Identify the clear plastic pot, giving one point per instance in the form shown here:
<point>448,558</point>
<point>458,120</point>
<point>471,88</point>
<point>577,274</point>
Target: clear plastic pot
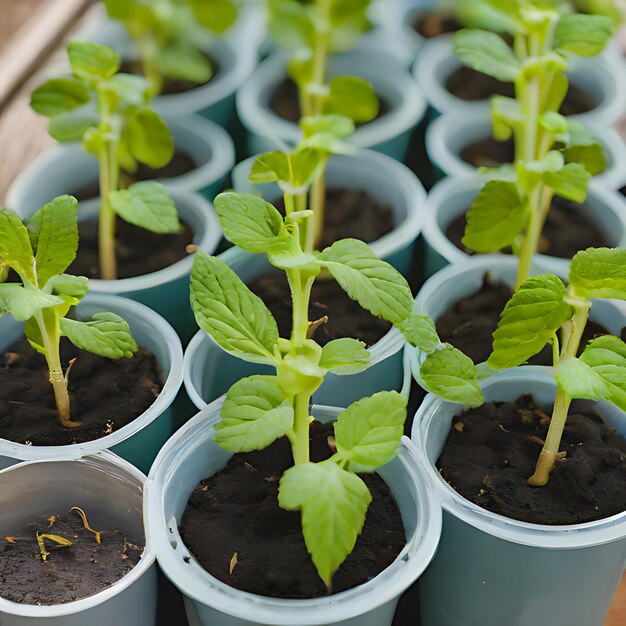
<point>110,491</point>
<point>191,455</point>
<point>502,571</point>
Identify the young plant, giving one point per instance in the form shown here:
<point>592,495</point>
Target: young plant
<point>39,251</point>
<point>543,311</point>
<point>333,500</point>
<point>553,155</point>
<point>309,32</point>
<point>110,114</point>
<point>171,35</point>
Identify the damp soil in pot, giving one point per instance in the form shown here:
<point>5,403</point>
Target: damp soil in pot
<point>56,559</point>
<point>430,24</point>
<point>234,527</point>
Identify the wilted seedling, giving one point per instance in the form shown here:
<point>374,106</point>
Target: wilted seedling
<point>110,114</point>
<point>39,251</point>
<point>58,540</point>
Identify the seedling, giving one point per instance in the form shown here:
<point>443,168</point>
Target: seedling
<point>109,113</point>
<point>57,539</point>
<point>39,251</point>
<point>171,35</point>
<point>257,410</point>
<point>83,516</point>
<point>543,311</point>
<point>553,155</point>
<point>309,33</point>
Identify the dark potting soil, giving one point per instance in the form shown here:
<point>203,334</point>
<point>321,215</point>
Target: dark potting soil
<point>488,152</point>
<point>491,452</point>
<point>234,516</point>
<point>432,24</point>
<point>105,395</point>
<point>138,251</point>
<point>567,230</point>
<point>470,85</point>
<point>68,573</point>
<point>285,102</point>
<point>346,318</point>
<point>180,164</point>
<point>352,213</point>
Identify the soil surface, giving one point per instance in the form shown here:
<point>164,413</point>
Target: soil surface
<point>566,231</point>
<point>285,103</point>
<point>105,395</point>
<point>236,512</point>
<point>68,573</point>
<point>181,163</point>
<point>491,452</point>
<point>346,318</point>
<point>488,152</point>
<point>352,213</point>
<point>138,251</point>
<point>431,24</point>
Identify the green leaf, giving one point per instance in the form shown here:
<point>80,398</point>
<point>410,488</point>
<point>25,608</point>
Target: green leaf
<point>487,53</point>
<point>452,376</point>
<point>149,139</point>
<point>606,356</point>
<point>216,15</point>
<point>291,25</point>
<point>582,147</point>
<point>506,114</point>
<point>91,61</point>
<point>332,124</point>
<point>72,125</point>
<point>106,334</point>
<point>15,246</point>
<point>584,35</point>
<point>130,88</point>
<point>119,9</point>
<point>181,60</point>
<point>374,284</point>
<point>230,313</point>
<point>74,287</point>
<point>570,182</point>
<point>23,303</point>
<point>59,95</point>
<point>554,122</point>
<point>291,171</point>
<point>250,222</point>
<point>578,380</point>
<point>254,414</point>
<point>369,431</point>
<point>353,97</point>
<point>148,205</point>
<point>419,331</point>
<point>270,167</point>
<point>344,356</point>
<point>333,504</point>
<point>497,216</point>
<point>599,273</point>
<point>529,320</point>
<point>53,232</point>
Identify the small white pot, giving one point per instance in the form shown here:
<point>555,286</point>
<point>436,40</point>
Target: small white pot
<point>110,491</point>
<point>451,197</point>
<point>388,134</point>
<point>191,455</point>
<point>448,135</point>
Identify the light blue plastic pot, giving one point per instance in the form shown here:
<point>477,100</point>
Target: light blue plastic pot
<point>111,493</point>
<point>387,180</point>
<point>191,456</point>
<point>494,571</point>
<point>451,197</point>
<point>139,441</point>
<point>388,134</point>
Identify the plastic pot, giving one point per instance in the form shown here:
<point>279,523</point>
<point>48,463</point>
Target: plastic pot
<point>191,455</point>
<point>387,181</point>
<point>452,197</point>
<point>139,441</point>
<point>67,168</point>
<point>503,571</point>
<point>110,490</point>
<point>209,372</point>
<point>388,134</point>
<point>598,76</point>
<point>448,135</point>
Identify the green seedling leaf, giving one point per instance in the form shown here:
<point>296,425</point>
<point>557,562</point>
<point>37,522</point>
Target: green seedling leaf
<point>333,502</point>
<point>497,216</point>
<point>582,147</point>
<point>554,122</point>
<point>119,9</point>
<point>570,182</point>
<point>578,380</point>
<point>584,35</point>
<point>599,273</point>
<point>352,97</point>
<point>291,25</point>
<point>606,356</point>
<point>452,376</point>
<point>506,114</point>
<point>149,139</point>
<point>330,124</point>
<point>499,16</point>
<point>72,125</point>
<point>270,167</point>
<point>419,331</point>
<point>344,356</point>
<point>106,334</point>
<point>251,223</point>
<point>66,285</point>
<point>181,60</point>
<point>369,431</point>
<point>148,205</point>
<point>529,321</point>
<point>59,95</point>
<point>255,413</point>
<point>15,246</point>
<point>215,15</point>
<point>129,88</point>
<point>230,313</point>
<point>92,62</point>
<point>22,303</point>
<point>487,53</point>
<point>293,172</point>
<point>373,283</point>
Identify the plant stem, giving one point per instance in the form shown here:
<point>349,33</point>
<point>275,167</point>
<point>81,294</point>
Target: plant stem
<point>300,448</point>
<point>148,51</point>
<point>109,174</point>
